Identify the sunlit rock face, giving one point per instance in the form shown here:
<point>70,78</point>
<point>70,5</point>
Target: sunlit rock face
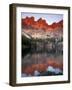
<point>41,29</point>
<point>29,22</point>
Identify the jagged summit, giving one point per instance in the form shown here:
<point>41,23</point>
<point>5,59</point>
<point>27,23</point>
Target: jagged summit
<point>30,23</point>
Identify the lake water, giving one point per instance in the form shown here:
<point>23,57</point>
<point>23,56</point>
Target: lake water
<point>41,63</point>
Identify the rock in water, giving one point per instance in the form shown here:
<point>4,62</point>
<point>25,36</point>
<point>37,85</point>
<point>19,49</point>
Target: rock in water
<point>50,68</point>
<point>36,73</point>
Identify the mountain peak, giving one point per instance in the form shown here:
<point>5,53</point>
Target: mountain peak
<point>29,22</point>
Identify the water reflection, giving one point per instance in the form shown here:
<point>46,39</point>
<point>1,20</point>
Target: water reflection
<point>41,62</point>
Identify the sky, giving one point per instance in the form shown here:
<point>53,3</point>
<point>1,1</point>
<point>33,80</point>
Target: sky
<point>50,18</point>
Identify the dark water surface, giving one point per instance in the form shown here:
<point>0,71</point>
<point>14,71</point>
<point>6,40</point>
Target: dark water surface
<point>37,62</point>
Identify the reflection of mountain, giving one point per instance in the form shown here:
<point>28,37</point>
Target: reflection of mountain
<point>42,64</point>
